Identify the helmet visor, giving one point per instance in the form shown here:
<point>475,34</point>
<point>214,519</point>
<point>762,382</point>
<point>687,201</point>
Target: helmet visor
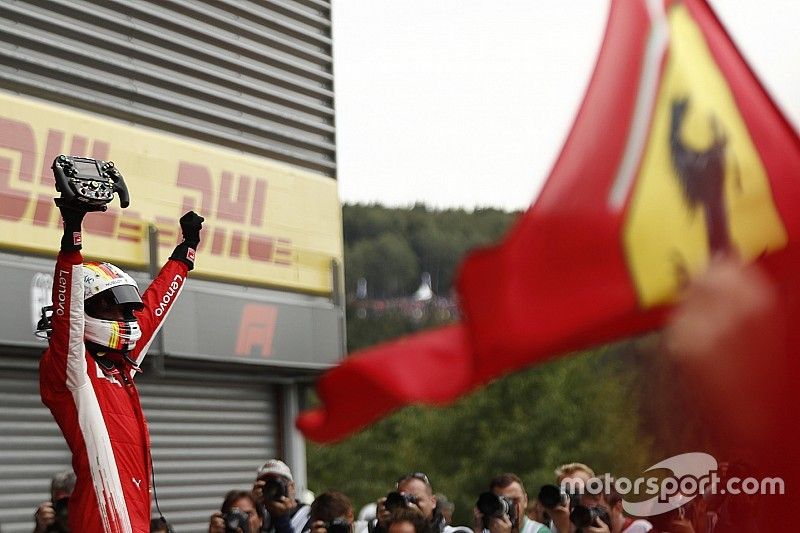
<point>125,294</point>
<point>116,303</point>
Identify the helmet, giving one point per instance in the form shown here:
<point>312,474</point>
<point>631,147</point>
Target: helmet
<point>110,298</point>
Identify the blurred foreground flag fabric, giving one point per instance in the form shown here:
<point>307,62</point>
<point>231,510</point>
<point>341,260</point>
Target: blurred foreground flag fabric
<point>677,153</point>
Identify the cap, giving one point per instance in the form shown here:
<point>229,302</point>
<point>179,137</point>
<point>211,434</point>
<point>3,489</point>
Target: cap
<point>275,467</point>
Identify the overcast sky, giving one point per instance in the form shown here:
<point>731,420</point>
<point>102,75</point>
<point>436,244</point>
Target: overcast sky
<point>465,103</point>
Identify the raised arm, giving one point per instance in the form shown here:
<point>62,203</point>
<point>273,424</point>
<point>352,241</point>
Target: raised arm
<point>66,340</point>
<point>160,296</point>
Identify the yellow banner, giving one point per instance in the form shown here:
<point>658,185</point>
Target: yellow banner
<point>266,223</point>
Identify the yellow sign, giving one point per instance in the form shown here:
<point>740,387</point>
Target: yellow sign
<point>702,187</point>
<point>266,222</point>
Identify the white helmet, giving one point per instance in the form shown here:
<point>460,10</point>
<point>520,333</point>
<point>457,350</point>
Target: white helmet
<point>110,298</point>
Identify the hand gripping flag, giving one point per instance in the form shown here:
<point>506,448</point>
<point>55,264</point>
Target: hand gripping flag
<point>677,153</point>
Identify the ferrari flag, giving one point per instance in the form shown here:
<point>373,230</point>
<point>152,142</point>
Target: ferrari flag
<point>677,153</point>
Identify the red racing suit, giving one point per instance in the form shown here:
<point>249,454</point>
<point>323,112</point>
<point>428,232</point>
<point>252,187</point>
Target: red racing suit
<point>99,412</point>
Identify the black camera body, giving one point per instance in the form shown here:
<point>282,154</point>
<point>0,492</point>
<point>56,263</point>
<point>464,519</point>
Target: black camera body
<point>338,525</point>
<point>236,520</point>
<point>88,184</point>
<point>493,506</point>
<point>60,523</point>
<point>275,488</point>
<point>582,516</point>
<point>399,500</point>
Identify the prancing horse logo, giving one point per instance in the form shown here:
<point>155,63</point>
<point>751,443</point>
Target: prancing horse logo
<point>701,175</point>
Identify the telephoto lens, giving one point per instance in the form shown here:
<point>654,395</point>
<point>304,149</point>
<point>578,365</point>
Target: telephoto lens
<point>275,488</point>
<point>398,500</point>
<point>552,496</point>
<point>491,506</point>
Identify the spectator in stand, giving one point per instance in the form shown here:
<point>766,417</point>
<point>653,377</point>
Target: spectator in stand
<point>408,521</point>
<point>331,512</point>
<point>237,507</point>
<point>621,523</point>
<point>510,486</point>
<point>51,516</point>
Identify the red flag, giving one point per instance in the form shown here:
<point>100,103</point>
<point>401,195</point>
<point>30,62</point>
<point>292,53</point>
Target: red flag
<point>433,367</point>
<point>677,153</point>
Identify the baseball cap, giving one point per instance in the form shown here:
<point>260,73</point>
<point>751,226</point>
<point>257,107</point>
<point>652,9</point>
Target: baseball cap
<point>275,467</point>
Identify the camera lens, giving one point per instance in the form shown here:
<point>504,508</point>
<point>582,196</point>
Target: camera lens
<point>274,489</point>
<point>489,504</point>
<point>398,500</point>
<point>550,496</point>
<point>581,516</point>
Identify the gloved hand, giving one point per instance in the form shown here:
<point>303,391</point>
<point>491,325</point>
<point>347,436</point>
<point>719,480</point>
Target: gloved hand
<point>191,223</point>
<point>73,219</point>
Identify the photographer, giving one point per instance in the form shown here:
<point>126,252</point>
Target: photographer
<point>559,504</point>
<point>99,333</point>
<point>413,491</point>
<point>238,514</point>
<point>275,494</point>
<point>583,514</point>
<point>331,512</point>
<point>502,509</point>
<point>51,516</point>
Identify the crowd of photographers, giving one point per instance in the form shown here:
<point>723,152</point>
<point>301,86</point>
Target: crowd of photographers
<point>272,506</point>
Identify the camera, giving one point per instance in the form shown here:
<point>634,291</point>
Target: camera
<point>60,525</point>
<point>338,525</point>
<point>552,496</point>
<point>398,500</point>
<point>493,506</point>
<point>582,516</point>
<point>88,184</point>
<point>236,520</point>
<point>275,488</point>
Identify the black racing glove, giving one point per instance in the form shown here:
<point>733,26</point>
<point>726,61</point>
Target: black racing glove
<point>72,239</point>
<point>191,223</point>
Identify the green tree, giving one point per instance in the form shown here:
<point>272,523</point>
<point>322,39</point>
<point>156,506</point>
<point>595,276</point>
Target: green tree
<point>387,262</point>
<point>438,240</point>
